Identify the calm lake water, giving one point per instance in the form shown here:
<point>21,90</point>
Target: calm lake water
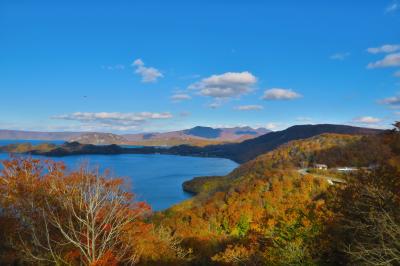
<point>156,179</point>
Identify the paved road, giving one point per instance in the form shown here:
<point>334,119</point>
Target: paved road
<point>331,180</point>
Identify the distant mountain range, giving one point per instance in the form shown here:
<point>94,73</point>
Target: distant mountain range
<point>98,138</point>
<point>206,135</point>
<point>249,149</point>
<point>238,152</point>
<point>36,135</point>
<point>198,136</point>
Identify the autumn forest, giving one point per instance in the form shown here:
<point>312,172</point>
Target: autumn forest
<point>199,133</point>
<point>266,212</point>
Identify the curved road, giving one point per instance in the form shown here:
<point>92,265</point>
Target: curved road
<point>330,180</point>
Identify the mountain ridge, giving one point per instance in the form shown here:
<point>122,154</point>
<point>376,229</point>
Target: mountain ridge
<point>221,134</point>
<point>238,152</point>
<point>198,136</point>
<point>249,149</point>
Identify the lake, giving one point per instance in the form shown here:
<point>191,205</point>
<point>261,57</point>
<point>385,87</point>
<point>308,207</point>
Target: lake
<point>156,179</point>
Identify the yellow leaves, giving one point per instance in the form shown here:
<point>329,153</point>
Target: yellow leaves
<point>256,227</point>
<point>305,222</point>
<point>58,214</point>
<point>395,162</point>
<point>270,224</point>
<point>233,254</point>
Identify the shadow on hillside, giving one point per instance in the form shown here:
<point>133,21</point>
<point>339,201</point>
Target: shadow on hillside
<point>367,151</point>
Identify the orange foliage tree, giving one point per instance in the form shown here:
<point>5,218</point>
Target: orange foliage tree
<point>81,217</point>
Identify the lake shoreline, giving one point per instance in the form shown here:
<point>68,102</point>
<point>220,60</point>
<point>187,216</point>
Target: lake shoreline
<point>162,187</point>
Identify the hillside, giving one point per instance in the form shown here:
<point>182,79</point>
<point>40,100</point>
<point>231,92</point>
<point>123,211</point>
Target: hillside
<point>196,136</point>
<point>199,134</point>
<point>250,149</point>
<point>265,210</point>
<point>334,150</point>
<point>99,139</point>
<point>239,152</point>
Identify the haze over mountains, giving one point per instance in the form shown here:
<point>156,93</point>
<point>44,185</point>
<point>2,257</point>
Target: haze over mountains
<point>249,149</point>
<point>238,152</point>
<point>195,136</point>
<point>36,135</point>
<point>199,133</point>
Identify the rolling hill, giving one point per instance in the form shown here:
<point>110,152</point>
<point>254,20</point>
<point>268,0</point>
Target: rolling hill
<point>249,149</point>
<point>196,136</point>
<point>268,203</point>
<point>99,139</point>
<point>208,135</point>
<point>238,152</point>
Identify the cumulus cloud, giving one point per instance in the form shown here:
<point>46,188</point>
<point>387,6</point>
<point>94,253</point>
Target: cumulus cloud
<point>339,56</point>
<point>178,97</point>
<point>115,120</point>
<point>249,107</point>
<point>387,48</point>
<point>227,85</point>
<point>367,120</point>
<point>280,94</point>
<point>390,60</point>
<point>392,7</point>
<point>148,74</point>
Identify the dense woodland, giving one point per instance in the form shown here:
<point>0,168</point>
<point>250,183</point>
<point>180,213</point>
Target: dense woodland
<point>263,213</point>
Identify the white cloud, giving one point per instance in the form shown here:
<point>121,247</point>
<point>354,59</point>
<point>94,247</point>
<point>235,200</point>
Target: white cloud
<point>273,126</point>
<point>397,73</point>
<point>138,62</point>
<point>249,107</point>
<point>395,100</point>
<point>148,74</point>
<point>387,48</point>
<point>339,56</point>
<point>390,60</point>
<point>114,67</point>
<point>392,7</point>
<point>178,97</point>
<point>227,85</point>
<point>117,121</point>
<point>280,94</point>
<point>367,120</point>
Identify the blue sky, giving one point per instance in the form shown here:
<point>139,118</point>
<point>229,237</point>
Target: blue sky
<point>132,66</point>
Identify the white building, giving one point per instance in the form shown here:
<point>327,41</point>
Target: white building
<point>320,166</point>
<point>346,169</point>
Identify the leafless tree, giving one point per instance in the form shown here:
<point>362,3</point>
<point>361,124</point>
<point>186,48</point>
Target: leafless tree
<point>83,212</point>
<point>372,222</point>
